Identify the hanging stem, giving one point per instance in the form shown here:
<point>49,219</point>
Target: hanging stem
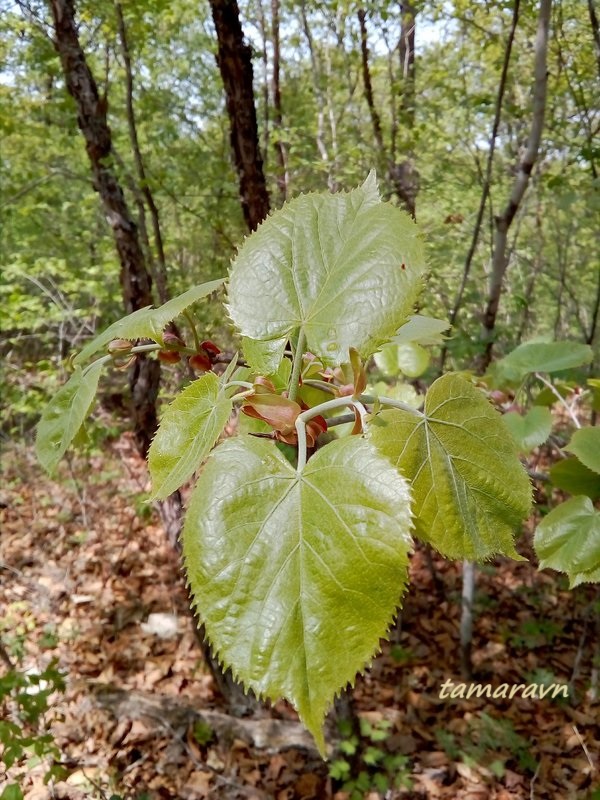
<point>559,396</point>
<point>297,366</point>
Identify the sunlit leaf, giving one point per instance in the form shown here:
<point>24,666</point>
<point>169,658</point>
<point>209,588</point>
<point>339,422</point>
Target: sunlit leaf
<point>189,428</point>
<point>344,269</point>
<point>469,488</point>
<point>422,330</point>
<point>410,359</point>
<point>585,444</point>
<point>297,576</point>
<point>568,540</point>
<point>531,429</point>
<point>65,414</point>
<point>147,323</point>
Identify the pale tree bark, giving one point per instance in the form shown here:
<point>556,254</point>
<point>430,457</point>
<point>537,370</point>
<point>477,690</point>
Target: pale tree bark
<point>504,221</point>
<point>235,64</point>
<point>487,180</point>
<point>135,280</point>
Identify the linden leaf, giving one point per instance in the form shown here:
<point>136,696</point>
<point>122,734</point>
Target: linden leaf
<point>529,430</point>
<point>187,432</point>
<point>344,269</point>
<point>65,414</point>
<point>568,540</point>
<point>470,490</point>
<point>149,322</point>
<point>585,444</point>
<point>297,576</point>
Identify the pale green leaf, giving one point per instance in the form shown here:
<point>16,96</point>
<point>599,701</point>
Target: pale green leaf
<point>469,488</point>
<point>264,357</point>
<point>423,330</point>
<point>187,432</point>
<point>529,430</point>
<point>149,322</point>
<point>65,414</point>
<point>405,392</point>
<point>330,266</point>
<point>297,576</point>
<point>573,477</point>
<point>568,540</point>
<point>585,444</point>
<point>542,357</point>
<point>410,359</point>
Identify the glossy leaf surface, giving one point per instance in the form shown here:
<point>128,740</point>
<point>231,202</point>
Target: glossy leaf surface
<point>469,488</point>
<point>344,269</point>
<point>187,432</point>
<point>297,576</point>
<point>149,322</point>
<point>65,414</point>
<point>568,540</point>
<point>572,476</point>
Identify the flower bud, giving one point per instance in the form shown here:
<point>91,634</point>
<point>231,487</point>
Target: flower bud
<point>169,356</point>
<point>200,362</point>
<point>119,346</point>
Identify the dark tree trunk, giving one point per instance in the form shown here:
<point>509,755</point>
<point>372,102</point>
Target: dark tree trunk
<point>135,281</point>
<point>235,63</point>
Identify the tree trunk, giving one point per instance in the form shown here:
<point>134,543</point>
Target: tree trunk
<point>280,151</point>
<point>235,64</point>
<point>404,174</point>
<point>135,280</point>
<point>368,86</point>
<point>504,221</point>
<point>487,180</point>
<point>160,275</point>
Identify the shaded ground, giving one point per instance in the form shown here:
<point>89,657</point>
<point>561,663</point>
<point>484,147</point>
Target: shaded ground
<point>84,564</point>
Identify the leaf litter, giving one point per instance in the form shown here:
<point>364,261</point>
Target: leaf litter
<point>87,577</point>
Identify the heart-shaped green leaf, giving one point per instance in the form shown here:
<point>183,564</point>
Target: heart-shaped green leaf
<point>542,357</point>
<point>187,432</point>
<point>65,414</point>
<point>573,477</point>
<point>297,576</point>
<point>568,540</point>
<point>149,322</point>
<point>585,444</point>
<point>344,269</point>
<point>529,430</point>
<point>469,488</point>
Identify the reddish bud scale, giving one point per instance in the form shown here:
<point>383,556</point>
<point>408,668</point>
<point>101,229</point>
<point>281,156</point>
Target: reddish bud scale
<point>169,356</point>
<point>200,362</point>
<point>210,347</point>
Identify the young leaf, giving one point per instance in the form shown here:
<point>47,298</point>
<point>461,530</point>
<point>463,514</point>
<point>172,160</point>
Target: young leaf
<point>585,444</point>
<point>344,268</point>
<point>573,477</point>
<point>65,414</point>
<point>530,430</point>
<point>410,358</point>
<point>423,330</point>
<point>188,430</point>
<point>147,323</point>
<point>568,540</point>
<point>264,357</point>
<point>542,357</point>
<point>469,488</point>
<point>297,576</point>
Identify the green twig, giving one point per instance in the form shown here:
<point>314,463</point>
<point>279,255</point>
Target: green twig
<point>297,366</point>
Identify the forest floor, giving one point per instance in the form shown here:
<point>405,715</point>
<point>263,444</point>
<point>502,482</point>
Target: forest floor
<point>83,566</point>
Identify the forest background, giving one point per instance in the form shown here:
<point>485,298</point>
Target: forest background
<point>439,97</point>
